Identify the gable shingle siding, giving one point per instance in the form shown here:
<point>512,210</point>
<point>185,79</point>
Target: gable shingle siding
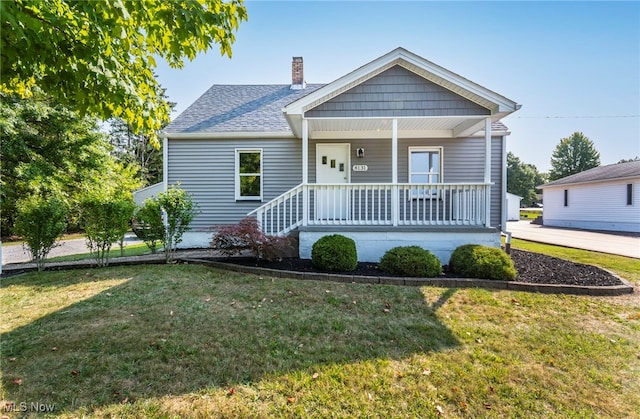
<point>397,92</point>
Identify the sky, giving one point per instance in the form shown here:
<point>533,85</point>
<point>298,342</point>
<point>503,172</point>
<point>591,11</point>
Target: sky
<point>573,66</point>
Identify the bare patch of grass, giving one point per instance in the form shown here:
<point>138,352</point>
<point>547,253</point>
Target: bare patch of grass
<point>187,341</point>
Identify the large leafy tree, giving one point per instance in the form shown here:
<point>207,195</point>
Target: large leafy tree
<point>134,149</point>
<point>99,56</point>
<point>573,155</point>
<point>522,179</point>
<point>47,148</point>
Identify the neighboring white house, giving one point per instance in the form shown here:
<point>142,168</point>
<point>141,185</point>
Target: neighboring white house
<point>602,198</point>
<point>513,207</point>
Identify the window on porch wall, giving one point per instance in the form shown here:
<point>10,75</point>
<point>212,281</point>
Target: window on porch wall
<point>425,166</point>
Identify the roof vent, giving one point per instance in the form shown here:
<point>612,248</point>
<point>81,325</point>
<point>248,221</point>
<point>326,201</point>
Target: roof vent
<point>297,74</point>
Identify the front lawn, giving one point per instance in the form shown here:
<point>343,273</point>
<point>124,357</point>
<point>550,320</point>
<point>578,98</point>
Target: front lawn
<point>188,341</point>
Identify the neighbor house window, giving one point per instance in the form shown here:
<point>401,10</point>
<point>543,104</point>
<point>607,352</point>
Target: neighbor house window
<point>425,166</point>
<point>248,174</point>
<point>566,197</point>
<point>629,193</point>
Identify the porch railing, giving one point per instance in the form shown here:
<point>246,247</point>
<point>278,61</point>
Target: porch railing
<point>376,204</point>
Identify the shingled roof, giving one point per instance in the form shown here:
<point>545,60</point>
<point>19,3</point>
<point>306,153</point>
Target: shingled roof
<point>279,108</point>
<point>601,173</point>
<point>239,108</point>
<point>245,108</point>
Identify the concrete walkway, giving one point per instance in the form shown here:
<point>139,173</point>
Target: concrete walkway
<point>624,244</point>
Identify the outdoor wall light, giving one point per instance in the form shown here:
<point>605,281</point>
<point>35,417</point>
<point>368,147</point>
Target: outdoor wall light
<point>360,153</point>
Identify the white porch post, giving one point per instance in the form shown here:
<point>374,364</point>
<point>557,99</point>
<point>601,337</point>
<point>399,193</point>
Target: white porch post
<point>305,172</point>
<point>487,171</point>
<point>394,172</point>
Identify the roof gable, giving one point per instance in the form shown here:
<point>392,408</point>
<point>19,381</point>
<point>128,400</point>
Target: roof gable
<point>600,174</point>
<point>432,72</point>
<point>397,92</point>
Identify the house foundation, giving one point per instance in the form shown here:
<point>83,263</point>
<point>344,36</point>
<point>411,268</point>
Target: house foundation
<point>373,242</point>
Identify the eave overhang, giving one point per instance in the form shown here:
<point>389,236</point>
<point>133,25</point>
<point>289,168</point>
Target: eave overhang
<point>227,135</point>
<point>589,182</point>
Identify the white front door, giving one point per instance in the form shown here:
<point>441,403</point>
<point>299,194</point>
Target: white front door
<point>332,168</point>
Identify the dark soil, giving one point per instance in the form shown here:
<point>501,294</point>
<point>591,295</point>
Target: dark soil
<point>533,268</point>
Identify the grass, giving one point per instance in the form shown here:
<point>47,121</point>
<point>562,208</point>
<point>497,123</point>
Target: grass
<point>188,341</point>
<point>530,213</point>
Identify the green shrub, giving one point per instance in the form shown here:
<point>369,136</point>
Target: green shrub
<point>475,261</point>
<point>410,261</point>
<point>147,224</point>
<point>180,210</point>
<point>334,253</point>
<point>40,221</point>
<point>106,220</point>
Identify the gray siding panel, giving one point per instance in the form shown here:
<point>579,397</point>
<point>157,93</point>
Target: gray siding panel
<point>397,92</point>
<point>205,168</point>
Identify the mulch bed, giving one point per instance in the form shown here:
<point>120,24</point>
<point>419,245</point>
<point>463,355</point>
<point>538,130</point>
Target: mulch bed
<point>532,268</point>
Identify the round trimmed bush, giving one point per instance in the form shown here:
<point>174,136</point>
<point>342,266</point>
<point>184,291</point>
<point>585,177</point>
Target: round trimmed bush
<point>410,261</point>
<point>476,261</point>
<point>334,253</point>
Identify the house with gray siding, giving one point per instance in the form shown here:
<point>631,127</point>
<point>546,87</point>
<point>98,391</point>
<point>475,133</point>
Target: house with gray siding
<point>602,198</point>
<point>397,152</point>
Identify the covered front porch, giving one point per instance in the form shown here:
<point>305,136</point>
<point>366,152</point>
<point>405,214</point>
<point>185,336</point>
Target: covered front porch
<point>376,204</point>
<point>338,175</point>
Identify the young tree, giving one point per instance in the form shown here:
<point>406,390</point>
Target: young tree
<point>573,155</point>
<point>522,179</point>
<point>106,220</point>
<point>148,224</point>
<point>179,209</point>
<point>40,221</point>
<point>99,56</point>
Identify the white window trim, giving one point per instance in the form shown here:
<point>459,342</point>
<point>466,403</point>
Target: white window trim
<point>421,194</point>
<point>237,173</point>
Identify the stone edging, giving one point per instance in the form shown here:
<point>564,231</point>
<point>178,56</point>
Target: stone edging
<point>612,290</point>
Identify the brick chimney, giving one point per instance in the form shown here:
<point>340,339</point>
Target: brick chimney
<point>297,74</point>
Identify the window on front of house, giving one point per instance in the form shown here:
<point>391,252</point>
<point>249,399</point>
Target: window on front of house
<point>629,193</point>
<point>425,166</point>
<point>248,174</point>
<point>566,197</point>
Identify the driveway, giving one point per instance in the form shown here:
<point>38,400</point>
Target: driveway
<point>624,244</point>
<point>18,254</point>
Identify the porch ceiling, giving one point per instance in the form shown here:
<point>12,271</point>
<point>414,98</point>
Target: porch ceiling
<point>408,127</point>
